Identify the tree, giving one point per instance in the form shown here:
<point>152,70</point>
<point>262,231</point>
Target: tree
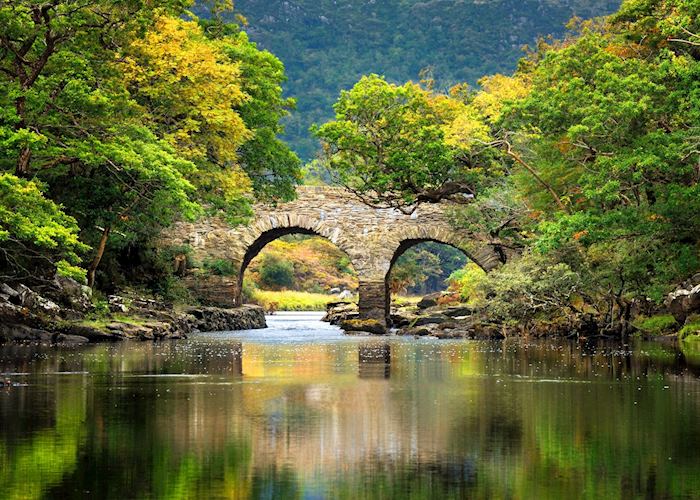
<point>131,116</point>
<point>44,45</point>
<point>36,237</point>
<point>398,146</point>
<point>611,119</point>
<point>272,167</point>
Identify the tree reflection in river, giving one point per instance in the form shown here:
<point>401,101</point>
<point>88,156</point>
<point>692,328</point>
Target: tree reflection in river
<point>223,417</point>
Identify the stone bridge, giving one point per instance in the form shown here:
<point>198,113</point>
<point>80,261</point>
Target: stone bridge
<point>372,238</point>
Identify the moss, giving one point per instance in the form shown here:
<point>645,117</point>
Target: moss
<point>364,325</point>
<point>101,323</point>
<point>691,331</point>
<point>656,325</point>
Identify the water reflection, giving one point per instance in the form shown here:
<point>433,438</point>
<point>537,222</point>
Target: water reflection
<point>374,360</point>
<point>293,415</point>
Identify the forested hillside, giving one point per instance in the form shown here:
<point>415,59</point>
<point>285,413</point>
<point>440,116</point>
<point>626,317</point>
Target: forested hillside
<point>328,45</point>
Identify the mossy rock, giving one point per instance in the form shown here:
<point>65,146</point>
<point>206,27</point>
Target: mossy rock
<point>691,330</point>
<point>372,326</point>
<point>660,324</point>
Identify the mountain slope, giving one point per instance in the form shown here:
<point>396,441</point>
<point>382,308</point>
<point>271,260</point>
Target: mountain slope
<point>327,45</point>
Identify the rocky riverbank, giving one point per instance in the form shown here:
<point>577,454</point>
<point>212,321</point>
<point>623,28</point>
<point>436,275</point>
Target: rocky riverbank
<point>677,318</point>
<point>62,313</point>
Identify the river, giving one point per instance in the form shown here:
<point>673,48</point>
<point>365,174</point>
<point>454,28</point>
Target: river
<point>301,411</point>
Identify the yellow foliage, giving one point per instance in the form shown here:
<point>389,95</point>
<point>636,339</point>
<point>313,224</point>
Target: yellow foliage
<point>462,125</point>
<point>496,90</point>
<point>189,88</point>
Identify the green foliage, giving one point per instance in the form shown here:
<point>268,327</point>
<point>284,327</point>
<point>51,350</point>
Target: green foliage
<point>656,325</point>
<point>425,268</point>
<point>691,329</point>
<point>327,45</point>
<point>269,163</point>
<point>318,265</point>
<point>531,286</point>
<point>220,267</point>
<point>469,281</point>
<point>276,273</point>
<point>171,289</point>
<point>34,232</point>
<point>133,117</point>
<point>397,145</point>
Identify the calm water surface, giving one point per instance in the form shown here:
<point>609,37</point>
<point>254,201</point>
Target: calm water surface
<point>300,411</point>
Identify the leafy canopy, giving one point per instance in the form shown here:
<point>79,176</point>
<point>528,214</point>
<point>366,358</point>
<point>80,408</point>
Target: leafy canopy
<point>399,145</point>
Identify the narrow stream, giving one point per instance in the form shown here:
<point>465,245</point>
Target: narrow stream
<point>301,411</point>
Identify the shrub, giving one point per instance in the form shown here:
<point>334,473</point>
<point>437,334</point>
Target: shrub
<point>656,325</point>
<point>276,272</point>
<point>467,282</point>
<point>220,267</point>
<point>530,286</point>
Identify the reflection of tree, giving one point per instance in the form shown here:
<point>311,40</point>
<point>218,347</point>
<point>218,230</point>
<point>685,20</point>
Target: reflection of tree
<point>454,420</point>
<point>44,460</point>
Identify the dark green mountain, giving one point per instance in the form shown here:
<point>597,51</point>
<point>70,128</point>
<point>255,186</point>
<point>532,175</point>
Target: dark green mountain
<point>327,45</point>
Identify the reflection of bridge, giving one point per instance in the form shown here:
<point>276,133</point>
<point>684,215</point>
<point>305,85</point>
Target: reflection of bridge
<point>372,238</point>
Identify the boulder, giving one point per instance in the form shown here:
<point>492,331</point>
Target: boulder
<point>70,339</point>
<point>372,326</point>
<point>429,300</point>
<point>433,319</point>
<point>336,312</point>
<point>215,319</point>
<point>72,294</point>
<point>7,290</point>
<point>420,331</point>
<point>684,302</point>
<point>458,311</point>
<point>10,332</point>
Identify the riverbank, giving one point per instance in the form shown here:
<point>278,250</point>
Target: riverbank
<point>677,319</point>
<point>62,313</point>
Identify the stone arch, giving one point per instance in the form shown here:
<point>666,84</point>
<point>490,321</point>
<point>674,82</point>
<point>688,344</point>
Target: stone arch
<point>269,228</point>
<point>412,236</point>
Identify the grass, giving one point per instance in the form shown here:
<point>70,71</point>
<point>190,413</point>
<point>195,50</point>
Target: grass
<point>402,300</point>
<point>656,325</point>
<point>288,300</point>
<point>102,322</point>
<point>691,330</point>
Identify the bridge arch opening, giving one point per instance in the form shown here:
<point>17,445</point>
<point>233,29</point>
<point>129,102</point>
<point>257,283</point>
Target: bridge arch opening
<point>432,261</point>
<point>304,267</point>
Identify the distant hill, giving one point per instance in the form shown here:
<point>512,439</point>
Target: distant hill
<point>327,45</point>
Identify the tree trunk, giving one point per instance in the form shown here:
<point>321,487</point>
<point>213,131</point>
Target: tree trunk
<point>25,155</point>
<point>98,256</point>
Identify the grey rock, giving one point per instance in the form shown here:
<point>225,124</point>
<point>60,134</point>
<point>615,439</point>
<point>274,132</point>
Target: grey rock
<point>70,339</point>
<point>8,290</point>
<point>459,311</point>
<point>684,302</point>
<point>10,332</point>
<point>73,294</point>
<point>435,319</point>
<point>372,326</point>
<point>429,301</point>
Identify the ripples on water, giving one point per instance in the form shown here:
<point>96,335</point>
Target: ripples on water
<point>301,411</point>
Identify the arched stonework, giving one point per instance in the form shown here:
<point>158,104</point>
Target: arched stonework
<point>370,237</point>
